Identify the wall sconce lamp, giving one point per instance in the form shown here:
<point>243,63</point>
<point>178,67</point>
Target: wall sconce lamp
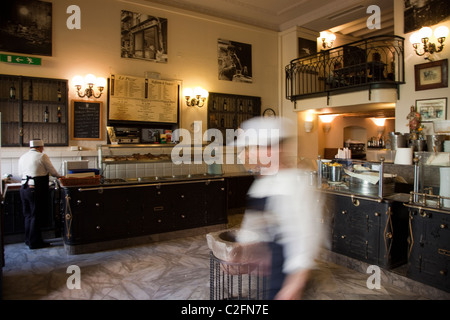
<point>379,122</point>
<point>423,36</point>
<point>327,39</point>
<point>89,80</point>
<point>326,121</point>
<point>195,97</point>
<point>308,123</point>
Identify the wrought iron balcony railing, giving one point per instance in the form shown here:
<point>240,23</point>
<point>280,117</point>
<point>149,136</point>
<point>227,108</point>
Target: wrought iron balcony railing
<point>376,62</point>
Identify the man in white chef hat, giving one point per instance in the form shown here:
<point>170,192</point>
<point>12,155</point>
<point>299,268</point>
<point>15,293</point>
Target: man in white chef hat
<point>281,209</point>
<point>35,167</point>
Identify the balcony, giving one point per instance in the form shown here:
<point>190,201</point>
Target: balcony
<point>373,63</point>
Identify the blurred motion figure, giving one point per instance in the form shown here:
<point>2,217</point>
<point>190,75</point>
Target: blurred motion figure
<point>282,209</point>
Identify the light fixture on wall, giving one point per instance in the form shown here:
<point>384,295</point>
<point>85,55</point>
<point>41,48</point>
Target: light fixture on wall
<point>326,121</point>
<point>89,81</point>
<point>308,123</point>
<point>327,39</point>
<point>379,122</point>
<point>423,36</point>
<point>196,97</point>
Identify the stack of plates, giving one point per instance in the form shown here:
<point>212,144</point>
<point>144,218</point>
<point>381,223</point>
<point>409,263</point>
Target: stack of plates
<point>447,146</point>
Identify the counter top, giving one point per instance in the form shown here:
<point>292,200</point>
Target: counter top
<point>162,179</point>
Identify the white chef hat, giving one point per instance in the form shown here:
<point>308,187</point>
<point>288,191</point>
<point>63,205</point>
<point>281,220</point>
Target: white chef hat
<point>263,131</point>
<point>36,143</point>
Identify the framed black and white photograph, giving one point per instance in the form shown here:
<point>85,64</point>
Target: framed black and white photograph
<point>235,61</point>
<point>143,37</point>
<point>431,75</point>
<point>421,13</point>
<point>432,109</point>
<point>26,27</point>
<point>306,47</point>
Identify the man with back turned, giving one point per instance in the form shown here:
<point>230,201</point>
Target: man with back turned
<point>35,167</point>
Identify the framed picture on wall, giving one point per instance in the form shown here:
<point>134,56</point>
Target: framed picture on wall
<point>26,27</point>
<point>306,47</point>
<point>143,37</point>
<point>424,13</point>
<point>432,109</point>
<point>431,75</point>
<point>235,61</point>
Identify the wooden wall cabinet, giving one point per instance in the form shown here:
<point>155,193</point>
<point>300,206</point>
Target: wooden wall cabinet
<point>228,111</point>
<point>32,108</point>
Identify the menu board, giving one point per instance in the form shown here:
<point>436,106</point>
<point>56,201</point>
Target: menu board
<point>87,119</point>
<point>142,100</point>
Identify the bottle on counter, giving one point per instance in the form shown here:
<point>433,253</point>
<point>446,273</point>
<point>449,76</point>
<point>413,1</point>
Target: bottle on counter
<point>46,114</point>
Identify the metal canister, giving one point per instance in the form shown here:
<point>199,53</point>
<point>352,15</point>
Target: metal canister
<point>336,173</point>
<point>396,140</point>
<point>435,142</point>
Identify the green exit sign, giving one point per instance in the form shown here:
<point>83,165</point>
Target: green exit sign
<point>20,59</point>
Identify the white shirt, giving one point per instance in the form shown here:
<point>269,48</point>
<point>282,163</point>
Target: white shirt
<point>36,164</point>
<point>292,216</point>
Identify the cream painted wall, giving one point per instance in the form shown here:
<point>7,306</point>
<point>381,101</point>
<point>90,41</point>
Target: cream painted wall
<point>192,52</point>
<point>408,95</point>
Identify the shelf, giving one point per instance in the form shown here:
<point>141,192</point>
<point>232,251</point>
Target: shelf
<point>19,114</point>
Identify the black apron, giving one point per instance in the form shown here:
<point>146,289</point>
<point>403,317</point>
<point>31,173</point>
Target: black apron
<point>35,205</point>
<point>277,275</point>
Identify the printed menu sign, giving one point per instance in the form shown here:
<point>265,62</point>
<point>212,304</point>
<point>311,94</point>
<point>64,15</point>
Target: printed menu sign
<point>143,100</point>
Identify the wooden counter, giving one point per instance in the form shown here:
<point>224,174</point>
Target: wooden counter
<point>116,214</point>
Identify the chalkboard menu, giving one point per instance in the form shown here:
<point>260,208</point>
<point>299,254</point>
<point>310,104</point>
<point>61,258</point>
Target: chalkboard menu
<point>86,120</point>
<point>134,99</point>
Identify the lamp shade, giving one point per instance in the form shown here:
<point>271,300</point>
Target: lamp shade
<point>100,82</point>
<point>415,38</point>
<point>90,78</point>
<point>323,35</point>
<point>425,32</point>
<point>441,32</point>
<point>188,92</point>
<point>77,81</point>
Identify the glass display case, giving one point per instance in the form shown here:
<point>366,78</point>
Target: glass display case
<point>133,153</point>
<point>355,178</point>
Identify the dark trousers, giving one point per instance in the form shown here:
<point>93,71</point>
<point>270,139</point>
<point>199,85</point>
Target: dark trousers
<point>277,275</point>
<point>35,207</point>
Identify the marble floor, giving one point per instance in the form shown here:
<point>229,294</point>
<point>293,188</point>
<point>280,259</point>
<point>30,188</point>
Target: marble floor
<point>177,269</point>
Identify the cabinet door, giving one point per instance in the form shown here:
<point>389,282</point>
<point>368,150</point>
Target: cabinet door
<point>10,109</point>
<point>356,228</point>
<point>95,215</point>
<point>237,191</point>
<point>189,205</point>
<point>216,203</point>
<point>429,260</point>
<point>33,108</point>
<point>156,209</point>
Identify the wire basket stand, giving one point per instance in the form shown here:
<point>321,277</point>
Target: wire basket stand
<point>237,281</point>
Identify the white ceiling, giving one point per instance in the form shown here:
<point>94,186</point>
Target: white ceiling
<point>346,17</point>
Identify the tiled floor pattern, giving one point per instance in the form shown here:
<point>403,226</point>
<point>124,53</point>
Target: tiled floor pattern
<point>178,269</point>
